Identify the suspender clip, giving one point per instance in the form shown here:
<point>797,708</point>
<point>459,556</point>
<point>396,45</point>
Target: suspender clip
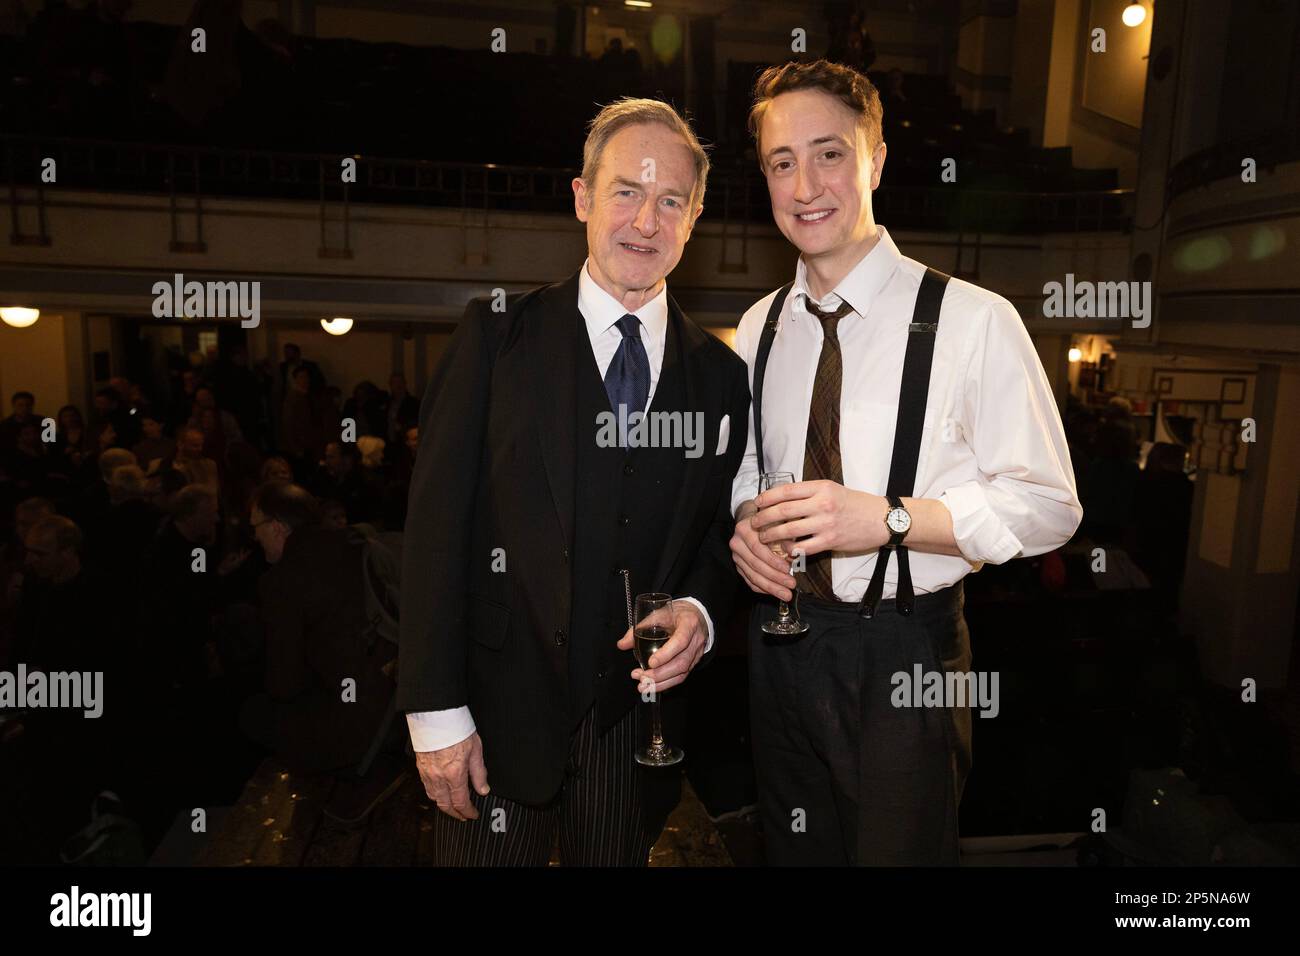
<point>905,601</point>
<point>871,597</point>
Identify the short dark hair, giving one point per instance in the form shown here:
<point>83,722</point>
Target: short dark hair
<point>846,84</point>
<point>27,395</point>
<point>286,502</point>
<point>330,505</point>
<point>185,503</point>
<point>64,530</point>
<point>346,449</point>
<point>108,392</point>
<point>35,504</point>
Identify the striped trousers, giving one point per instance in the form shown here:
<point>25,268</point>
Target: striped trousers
<point>598,815</point>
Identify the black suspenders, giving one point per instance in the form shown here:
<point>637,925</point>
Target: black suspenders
<point>912,395</point>
<point>760,366</point>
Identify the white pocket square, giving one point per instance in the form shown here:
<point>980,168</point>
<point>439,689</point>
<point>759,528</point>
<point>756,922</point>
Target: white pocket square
<point>724,434</point>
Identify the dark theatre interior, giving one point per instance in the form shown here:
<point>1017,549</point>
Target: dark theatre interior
<point>209,511</point>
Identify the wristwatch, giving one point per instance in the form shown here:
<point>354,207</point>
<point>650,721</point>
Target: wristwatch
<point>897,520</point>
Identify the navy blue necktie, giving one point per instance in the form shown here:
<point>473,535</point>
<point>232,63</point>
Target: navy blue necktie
<point>627,380</point>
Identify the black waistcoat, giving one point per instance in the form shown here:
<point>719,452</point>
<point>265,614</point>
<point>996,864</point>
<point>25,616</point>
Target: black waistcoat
<point>625,500</point>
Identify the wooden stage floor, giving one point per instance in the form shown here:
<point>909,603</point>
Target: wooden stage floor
<point>279,821</point>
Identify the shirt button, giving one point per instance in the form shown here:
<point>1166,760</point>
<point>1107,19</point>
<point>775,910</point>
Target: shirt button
<point>564,555</point>
<point>561,638</point>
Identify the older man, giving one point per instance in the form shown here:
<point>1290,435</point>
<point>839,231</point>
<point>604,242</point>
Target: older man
<point>515,647</point>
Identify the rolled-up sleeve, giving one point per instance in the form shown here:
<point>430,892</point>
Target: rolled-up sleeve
<point>1024,501</point>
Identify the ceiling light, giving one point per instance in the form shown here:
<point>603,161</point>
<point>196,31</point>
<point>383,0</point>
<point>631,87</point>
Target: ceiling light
<point>18,316</point>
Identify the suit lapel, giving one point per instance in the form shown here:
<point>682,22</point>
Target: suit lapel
<point>554,343</point>
<point>689,341</point>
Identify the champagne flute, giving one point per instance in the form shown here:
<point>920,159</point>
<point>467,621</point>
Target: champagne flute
<point>786,623</point>
<point>654,624</point>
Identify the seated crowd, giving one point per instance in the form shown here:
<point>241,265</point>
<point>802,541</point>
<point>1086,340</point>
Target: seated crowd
<point>205,557</point>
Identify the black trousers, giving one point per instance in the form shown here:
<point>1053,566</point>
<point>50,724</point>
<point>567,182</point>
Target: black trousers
<point>599,815</point>
<point>844,776</point>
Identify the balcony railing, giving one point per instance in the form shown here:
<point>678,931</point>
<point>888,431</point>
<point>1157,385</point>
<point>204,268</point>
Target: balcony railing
<point>1222,160</point>
<point>735,197</point>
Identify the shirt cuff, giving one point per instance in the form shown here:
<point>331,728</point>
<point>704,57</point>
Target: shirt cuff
<point>743,491</point>
<point>981,535</point>
<point>439,729</point>
<point>708,645</point>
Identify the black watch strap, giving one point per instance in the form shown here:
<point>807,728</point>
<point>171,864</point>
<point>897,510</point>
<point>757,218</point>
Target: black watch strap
<point>905,600</point>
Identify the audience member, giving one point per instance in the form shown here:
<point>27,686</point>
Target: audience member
<point>65,619</point>
<point>1162,516</point>
<point>91,505</point>
<point>403,411</point>
<point>13,558</point>
<point>326,690</point>
<point>132,520</point>
<point>23,405</point>
<point>154,447</point>
<point>189,466</point>
<point>342,478</point>
<point>75,448</point>
<point>333,516</point>
<point>276,468</point>
<point>308,422</point>
<point>27,463</point>
<point>182,405</point>
<point>293,361</point>
<point>110,410</point>
<point>368,407</point>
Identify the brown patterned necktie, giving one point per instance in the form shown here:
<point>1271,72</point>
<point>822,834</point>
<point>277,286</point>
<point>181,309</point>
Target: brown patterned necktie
<point>821,457</point>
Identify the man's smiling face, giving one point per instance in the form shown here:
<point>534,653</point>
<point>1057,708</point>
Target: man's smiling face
<point>820,171</point>
<point>637,229</point>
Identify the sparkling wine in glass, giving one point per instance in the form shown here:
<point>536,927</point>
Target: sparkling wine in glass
<point>786,623</point>
<point>654,624</point>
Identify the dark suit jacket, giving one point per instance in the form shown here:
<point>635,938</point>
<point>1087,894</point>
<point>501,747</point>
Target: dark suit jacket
<point>495,469</point>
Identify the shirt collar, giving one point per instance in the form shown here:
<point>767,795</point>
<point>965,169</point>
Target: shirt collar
<point>600,310</point>
<point>860,287</point>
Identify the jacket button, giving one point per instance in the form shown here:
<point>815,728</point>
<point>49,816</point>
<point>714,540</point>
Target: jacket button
<point>600,675</point>
<point>624,520</point>
<point>628,470</point>
<point>560,638</point>
<point>564,555</point>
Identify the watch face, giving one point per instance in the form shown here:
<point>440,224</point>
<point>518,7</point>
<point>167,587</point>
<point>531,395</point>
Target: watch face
<point>898,520</point>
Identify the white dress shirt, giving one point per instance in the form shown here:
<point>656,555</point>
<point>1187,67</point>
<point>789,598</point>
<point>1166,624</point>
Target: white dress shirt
<point>992,450</point>
<point>437,729</point>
